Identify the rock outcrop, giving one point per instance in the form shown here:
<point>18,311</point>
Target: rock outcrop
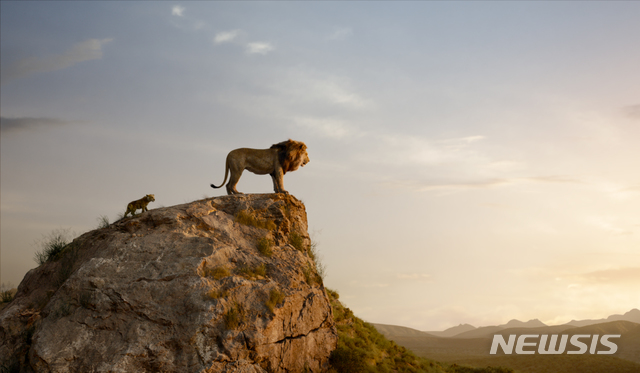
<point>218,285</point>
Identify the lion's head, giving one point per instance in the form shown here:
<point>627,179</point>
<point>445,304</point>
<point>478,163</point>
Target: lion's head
<point>292,154</point>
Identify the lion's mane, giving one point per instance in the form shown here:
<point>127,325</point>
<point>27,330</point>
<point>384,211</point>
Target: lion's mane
<point>291,154</point>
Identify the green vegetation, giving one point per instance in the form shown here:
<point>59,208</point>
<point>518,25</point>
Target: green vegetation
<point>275,297</point>
<point>311,276</point>
<point>103,222</point>
<point>52,246</point>
<point>250,218</point>
<point>6,293</point>
<point>217,273</point>
<point>235,316</point>
<point>216,294</point>
<point>564,363</point>
<point>362,349</point>
<point>253,272</point>
<point>314,254</point>
<point>297,241</point>
<point>264,246</point>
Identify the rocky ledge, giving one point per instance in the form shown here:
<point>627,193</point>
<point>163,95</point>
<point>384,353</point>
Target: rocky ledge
<point>226,284</point>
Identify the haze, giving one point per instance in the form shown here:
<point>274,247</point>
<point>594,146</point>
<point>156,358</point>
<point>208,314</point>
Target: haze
<point>471,162</point>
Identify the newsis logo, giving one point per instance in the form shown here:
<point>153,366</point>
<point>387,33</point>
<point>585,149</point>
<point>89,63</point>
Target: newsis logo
<point>584,343</point>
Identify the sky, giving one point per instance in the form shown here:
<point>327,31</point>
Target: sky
<point>471,162</point>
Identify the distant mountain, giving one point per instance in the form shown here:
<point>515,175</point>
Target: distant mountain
<point>535,323</point>
<point>633,316</point>
<point>399,331</point>
<point>453,330</point>
<point>486,331</point>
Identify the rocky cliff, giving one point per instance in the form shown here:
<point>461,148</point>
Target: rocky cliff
<point>218,285</point>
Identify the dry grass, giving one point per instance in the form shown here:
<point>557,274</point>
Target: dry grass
<point>235,316</point>
<point>250,218</point>
<point>297,241</point>
<point>275,297</point>
<point>253,272</point>
<point>264,246</point>
<point>217,273</point>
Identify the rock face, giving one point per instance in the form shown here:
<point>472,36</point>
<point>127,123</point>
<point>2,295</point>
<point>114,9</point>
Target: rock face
<point>186,288</point>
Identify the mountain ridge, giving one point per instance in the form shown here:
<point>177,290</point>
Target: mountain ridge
<point>470,331</point>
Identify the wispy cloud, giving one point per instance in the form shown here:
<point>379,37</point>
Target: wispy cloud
<point>225,36</point>
<point>9,125</point>
<point>415,276</point>
<point>609,224</point>
<point>326,127</point>
<point>177,10</point>
<point>340,33</point>
<point>259,48</point>
<point>616,275</point>
<point>85,51</point>
<point>632,111</point>
<point>479,183</point>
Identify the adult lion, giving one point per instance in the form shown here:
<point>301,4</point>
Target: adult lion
<point>276,161</point>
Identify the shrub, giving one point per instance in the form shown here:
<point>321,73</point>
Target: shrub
<point>264,246</point>
<point>235,316</point>
<point>6,294</point>
<point>321,269</point>
<point>248,217</point>
<point>344,359</point>
<point>217,272</point>
<point>257,271</point>
<point>103,222</point>
<point>51,246</point>
<point>215,294</point>
<point>275,297</point>
<point>310,275</point>
<point>297,241</point>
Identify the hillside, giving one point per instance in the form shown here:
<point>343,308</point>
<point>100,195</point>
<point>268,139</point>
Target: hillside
<point>362,348</point>
<point>475,351</point>
<point>222,284</point>
<point>450,332</point>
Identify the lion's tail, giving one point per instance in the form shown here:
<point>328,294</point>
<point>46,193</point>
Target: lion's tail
<point>226,174</point>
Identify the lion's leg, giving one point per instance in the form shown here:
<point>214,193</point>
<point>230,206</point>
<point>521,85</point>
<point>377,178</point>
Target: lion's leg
<point>275,182</point>
<point>233,181</point>
<point>278,185</point>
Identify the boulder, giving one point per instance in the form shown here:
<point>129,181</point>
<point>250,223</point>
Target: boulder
<point>226,284</point>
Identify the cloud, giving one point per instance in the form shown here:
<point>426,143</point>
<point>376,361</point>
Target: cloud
<point>608,224</point>
<point>415,276</point>
<point>225,36</point>
<point>177,11</point>
<point>553,179</point>
<point>340,33</point>
<point>259,48</point>
<point>483,183</point>
<point>616,275</point>
<point>8,125</point>
<point>632,111</point>
<point>326,127</point>
<point>466,185</point>
<point>84,51</point>
<point>312,87</point>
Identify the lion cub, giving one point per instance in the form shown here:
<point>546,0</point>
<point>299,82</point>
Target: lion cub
<point>139,204</point>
